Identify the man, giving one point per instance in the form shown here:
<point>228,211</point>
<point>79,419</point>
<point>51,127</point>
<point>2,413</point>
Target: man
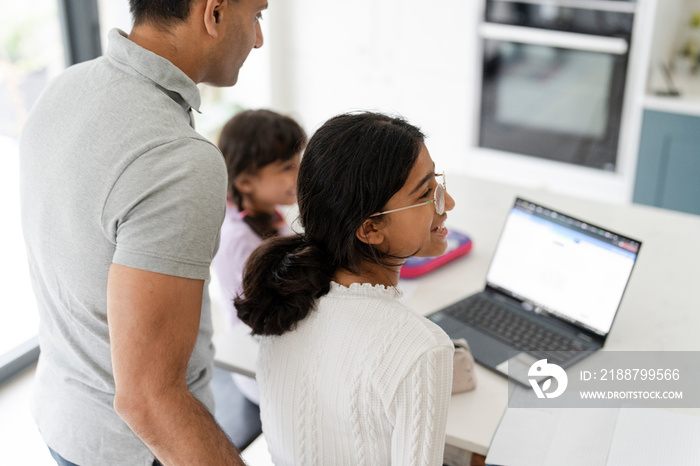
<point>122,202</point>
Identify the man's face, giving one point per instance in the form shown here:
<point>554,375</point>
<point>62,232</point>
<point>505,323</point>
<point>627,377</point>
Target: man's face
<point>241,33</point>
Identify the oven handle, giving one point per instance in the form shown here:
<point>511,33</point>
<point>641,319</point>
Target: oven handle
<point>559,39</point>
<point>598,5</point>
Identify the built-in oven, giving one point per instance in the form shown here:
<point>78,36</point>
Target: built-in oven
<point>554,75</point>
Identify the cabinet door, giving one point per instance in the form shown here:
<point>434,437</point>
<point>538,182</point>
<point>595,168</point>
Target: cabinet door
<point>668,169</point>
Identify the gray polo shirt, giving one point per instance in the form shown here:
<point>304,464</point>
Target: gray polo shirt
<point>112,171</point>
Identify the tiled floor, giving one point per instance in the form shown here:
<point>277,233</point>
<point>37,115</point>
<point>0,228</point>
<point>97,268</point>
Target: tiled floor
<point>20,442</point>
<point>256,454</point>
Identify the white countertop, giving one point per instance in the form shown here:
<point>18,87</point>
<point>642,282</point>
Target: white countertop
<point>658,312</point>
<point>687,103</point>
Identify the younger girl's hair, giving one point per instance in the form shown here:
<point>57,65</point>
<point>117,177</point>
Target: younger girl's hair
<point>255,138</point>
<point>249,141</point>
<point>352,166</point>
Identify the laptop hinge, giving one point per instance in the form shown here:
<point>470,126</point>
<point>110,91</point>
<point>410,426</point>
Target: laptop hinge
<point>502,296</point>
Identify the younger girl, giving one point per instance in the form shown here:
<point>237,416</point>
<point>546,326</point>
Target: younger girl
<point>348,374</point>
<point>262,151</point>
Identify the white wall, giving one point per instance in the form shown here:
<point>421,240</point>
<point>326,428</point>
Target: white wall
<point>669,29</point>
<point>253,89</point>
<point>421,59</point>
<point>409,57</point>
<point>671,25</point>
<point>113,15</point>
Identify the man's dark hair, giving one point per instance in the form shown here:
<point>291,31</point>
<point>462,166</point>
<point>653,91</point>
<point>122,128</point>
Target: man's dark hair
<point>165,12</point>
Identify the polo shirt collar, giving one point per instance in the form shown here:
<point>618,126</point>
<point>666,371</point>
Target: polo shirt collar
<point>136,60</point>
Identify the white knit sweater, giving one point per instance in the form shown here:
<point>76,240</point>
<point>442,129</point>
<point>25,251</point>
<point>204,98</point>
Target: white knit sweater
<point>363,380</point>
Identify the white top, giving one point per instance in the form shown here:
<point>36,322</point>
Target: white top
<point>362,380</point>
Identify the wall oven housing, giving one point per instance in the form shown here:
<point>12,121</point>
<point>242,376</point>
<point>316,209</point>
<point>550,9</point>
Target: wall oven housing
<point>553,79</point>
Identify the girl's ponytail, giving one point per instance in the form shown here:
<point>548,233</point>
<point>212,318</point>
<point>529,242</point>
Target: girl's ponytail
<point>351,168</point>
<point>283,278</point>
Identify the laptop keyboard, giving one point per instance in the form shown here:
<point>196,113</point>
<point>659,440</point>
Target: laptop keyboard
<point>513,329</point>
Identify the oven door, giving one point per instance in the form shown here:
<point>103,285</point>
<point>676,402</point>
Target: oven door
<point>552,94</point>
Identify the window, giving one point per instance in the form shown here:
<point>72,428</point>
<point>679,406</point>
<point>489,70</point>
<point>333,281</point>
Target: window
<point>37,44</point>
<point>31,54</point>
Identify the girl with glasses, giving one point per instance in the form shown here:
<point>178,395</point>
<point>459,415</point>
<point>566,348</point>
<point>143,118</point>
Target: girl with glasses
<point>348,374</point>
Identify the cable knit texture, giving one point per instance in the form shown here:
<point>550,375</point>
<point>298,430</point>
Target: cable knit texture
<point>363,380</point>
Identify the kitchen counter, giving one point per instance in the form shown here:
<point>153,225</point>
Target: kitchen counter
<point>682,105</point>
<point>687,103</point>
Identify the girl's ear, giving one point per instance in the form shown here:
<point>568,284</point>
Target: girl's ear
<point>369,233</point>
<point>244,183</point>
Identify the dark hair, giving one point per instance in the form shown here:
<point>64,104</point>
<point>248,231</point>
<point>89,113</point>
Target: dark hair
<point>352,166</point>
<point>249,141</point>
<point>165,12</point>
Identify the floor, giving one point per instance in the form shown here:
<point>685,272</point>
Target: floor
<point>20,442</point>
<point>237,416</point>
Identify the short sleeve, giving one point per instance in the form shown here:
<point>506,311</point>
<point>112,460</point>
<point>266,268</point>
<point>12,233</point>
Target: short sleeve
<point>165,210</point>
<point>421,404</point>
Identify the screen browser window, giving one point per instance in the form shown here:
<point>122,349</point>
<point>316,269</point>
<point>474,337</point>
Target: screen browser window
<point>562,266</point>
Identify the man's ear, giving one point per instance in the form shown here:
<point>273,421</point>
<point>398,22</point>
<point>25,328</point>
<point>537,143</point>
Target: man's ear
<point>244,183</point>
<point>369,233</point>
<point>213,15</point>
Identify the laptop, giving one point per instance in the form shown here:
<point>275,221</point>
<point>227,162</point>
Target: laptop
<point>553,289</point>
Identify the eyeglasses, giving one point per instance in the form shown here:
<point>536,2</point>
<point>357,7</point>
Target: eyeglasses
<point>438,199</point>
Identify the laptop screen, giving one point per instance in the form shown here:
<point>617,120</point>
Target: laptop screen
<point>563,266</point>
